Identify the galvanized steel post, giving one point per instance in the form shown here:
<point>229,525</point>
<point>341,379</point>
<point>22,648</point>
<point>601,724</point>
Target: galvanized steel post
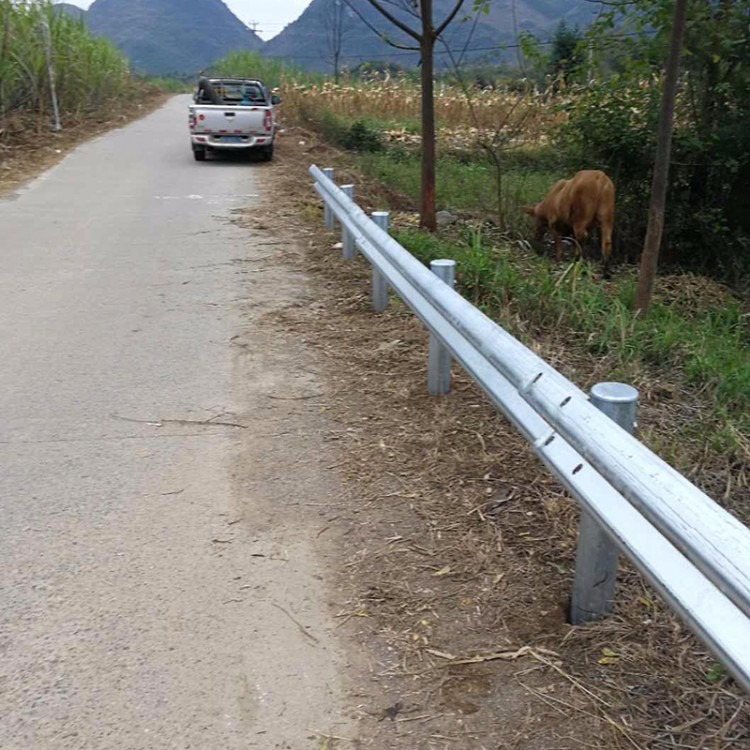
<point>379,283</point>
<point>347,238</point>
<point>327,212</point>
<point>596,557</point>
<point>439,357</point>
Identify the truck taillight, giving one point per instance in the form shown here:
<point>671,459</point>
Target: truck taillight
<point>268,121</point>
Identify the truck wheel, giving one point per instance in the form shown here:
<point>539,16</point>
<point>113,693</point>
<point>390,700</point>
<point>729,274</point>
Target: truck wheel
<point>268,153</point>
<point>199,154</point>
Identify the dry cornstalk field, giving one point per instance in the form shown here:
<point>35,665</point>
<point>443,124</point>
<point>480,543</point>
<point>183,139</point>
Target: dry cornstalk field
<point>457,110</point>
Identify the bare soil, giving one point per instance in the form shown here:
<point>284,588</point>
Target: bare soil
<point>457,548</point>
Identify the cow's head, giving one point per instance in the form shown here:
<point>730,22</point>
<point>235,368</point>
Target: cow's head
<point>540,222</point>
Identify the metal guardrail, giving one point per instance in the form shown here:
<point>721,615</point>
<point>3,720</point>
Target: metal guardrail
<point>694,553</point>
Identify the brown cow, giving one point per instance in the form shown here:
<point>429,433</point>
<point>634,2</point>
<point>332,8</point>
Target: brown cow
<point>585,201</point>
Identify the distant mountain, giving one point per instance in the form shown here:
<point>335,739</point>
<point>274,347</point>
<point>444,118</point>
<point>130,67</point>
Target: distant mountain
<point>70,9</point>
<point>307,41</point>
<point>170,36</point>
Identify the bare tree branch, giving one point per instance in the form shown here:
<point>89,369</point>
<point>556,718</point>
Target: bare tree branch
<point>449,18</point>
<point>406,7</point>
<point>457,62</point>
<point>395,21</point>
<point>377,31</point>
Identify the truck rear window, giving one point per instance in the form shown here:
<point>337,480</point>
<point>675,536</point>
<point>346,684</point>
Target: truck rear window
<point>238,93</point>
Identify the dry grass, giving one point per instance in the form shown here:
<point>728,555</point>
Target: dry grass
<point>458,545</point>
<point>397,100</point>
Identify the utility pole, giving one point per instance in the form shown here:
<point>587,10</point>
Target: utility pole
<point>47,36</point>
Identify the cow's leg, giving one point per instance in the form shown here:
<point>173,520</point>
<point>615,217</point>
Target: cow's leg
<point>580,233</point>
<point>558,244</point>
<point>606,237</point>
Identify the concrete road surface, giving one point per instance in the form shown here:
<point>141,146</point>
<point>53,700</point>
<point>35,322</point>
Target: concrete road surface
<point>158,579</point>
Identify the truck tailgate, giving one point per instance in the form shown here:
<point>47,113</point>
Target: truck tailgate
<point>232,120</point>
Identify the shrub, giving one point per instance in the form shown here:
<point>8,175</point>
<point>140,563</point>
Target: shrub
<point>612,125</point>
<point>360,136</point>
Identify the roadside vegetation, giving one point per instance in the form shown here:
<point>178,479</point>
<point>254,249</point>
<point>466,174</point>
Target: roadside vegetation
<point>93,85</point>
<point>251,64</point>
<point>89,73</point>
<point>696,336</point>
<point>502,142</point>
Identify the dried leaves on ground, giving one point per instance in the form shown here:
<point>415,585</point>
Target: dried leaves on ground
<point>458,547</point>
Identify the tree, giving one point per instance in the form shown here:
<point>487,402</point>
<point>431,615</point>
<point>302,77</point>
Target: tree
<point>650,257</point>
<point>613,125</point>
<point>425,32</point>
<point>566,56</point>
<point>338,23</point>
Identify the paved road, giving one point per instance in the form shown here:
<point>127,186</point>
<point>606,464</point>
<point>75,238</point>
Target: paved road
<point>137,547</point>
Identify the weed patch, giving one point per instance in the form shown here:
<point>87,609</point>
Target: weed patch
<point>706,349</point>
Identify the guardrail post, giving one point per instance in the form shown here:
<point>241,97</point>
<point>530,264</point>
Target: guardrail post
<point>596,557</point>
<point>439,358</point>
<point>328,217</point>
<point>379,283</point>
<point>347,238</point>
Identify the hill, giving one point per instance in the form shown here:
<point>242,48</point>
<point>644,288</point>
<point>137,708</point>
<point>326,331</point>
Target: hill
<point>70,9</point>
<point>170,36</point>
<point>306,41</point>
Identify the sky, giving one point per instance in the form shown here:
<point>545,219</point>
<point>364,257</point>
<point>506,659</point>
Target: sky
<point>266,18</point>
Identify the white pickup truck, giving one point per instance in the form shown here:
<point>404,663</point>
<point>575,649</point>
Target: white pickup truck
<point>232,114</point>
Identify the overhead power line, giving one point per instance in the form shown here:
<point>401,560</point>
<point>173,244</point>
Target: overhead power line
<point>413,53</point>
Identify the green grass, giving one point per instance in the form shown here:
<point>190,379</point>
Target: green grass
<point>707,350</point>
<point>89,71</point>
<point>171,85</point>
<point>703,351</point>
<point>464,185</point>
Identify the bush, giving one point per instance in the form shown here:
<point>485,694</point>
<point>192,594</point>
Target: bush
<point>361,137</point>
<point>251,64</point>
<point>612,125</point>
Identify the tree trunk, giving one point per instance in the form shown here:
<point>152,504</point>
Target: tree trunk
<point>427,219</point>
<point>650,256</point>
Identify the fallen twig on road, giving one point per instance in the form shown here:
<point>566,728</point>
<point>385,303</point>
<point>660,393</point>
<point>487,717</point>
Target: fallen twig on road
<point>304,630</point>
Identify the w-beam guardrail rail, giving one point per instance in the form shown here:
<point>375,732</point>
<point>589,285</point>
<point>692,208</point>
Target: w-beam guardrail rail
<point>694,553</point>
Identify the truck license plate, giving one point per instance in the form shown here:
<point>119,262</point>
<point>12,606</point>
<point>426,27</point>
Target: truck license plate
<point>232,139</point>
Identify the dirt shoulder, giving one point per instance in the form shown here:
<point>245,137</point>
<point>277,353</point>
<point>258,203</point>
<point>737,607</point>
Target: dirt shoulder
<point>28,145</point>
<point>456,547</point>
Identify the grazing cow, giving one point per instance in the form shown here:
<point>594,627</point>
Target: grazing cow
<point>585,201</point>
